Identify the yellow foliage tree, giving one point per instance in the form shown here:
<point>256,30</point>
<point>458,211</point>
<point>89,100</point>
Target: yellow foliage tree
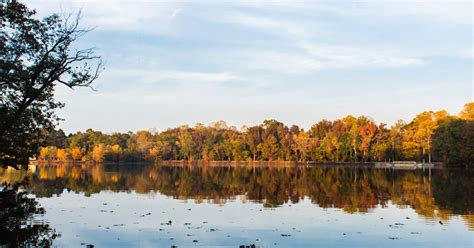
<point>48,153</point>
<point>143,141</point>
<point>468,112</point>
<point>76,153</point>
<point>153,152</point>
<point>302,145</point>
<point>115,149</point>
<point>43,153</point>
<point>98,153</point>
<point>425,127</point>
<point>420,131</point>
<point>61,155</point>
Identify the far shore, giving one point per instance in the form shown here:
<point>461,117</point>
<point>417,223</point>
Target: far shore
<point>397,164</point>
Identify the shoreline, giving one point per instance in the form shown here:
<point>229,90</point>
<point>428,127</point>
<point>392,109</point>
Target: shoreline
<point>184,163</point>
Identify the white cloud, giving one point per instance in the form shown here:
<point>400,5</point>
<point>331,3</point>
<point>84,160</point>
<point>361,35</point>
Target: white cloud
<point>453,11</point>
<point>265,24</point>
<point>186,76</point>
<point>120,15</point>
<point>314,56</point>
<point>311,58</point>
<point>181,62</point>
<point>176,12</point>
<point>446,11</point>
<point>150,76</point>
<point>333,56</point>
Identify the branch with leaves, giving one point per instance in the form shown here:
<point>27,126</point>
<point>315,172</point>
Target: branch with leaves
<point>36,56</point>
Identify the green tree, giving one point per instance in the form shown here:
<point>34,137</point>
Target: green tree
<point>36,56</point>
<point>185,141</point>
<point>453,142</point>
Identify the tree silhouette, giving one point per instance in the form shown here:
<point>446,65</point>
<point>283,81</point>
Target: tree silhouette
<point>16,213</point>
<point>36,56</point>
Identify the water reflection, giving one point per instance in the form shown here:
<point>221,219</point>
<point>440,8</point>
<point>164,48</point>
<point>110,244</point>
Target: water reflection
<point>435,195</point>
<point>17,215</point>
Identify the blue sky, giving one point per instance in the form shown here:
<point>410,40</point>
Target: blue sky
<point>182,62</point>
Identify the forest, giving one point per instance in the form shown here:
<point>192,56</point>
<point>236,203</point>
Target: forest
<point>429,137</point>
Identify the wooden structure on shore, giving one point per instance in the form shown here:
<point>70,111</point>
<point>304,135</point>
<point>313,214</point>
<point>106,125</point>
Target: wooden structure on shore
<point>407,165</point>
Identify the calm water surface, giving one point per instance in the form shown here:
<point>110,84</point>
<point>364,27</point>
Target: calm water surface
<point>161,206</point>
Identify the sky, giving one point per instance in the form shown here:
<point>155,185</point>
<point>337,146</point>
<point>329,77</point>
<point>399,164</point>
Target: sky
<point>169,63</point>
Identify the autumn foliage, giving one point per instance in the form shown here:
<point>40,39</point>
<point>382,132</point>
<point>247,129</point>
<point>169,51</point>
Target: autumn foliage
<point>430,136</point>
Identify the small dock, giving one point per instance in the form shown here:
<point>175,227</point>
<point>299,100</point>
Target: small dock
<point>406,165</point>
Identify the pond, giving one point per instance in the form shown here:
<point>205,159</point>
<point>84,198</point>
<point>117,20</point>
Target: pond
<point>228,206</point>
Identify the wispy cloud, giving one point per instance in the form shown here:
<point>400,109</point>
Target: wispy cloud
<point>333,56</point>
<point>265,24</point>
<point>302,55</point>
<point>176,12</point>
<point>175,79</point>
<point>119,15</point>
<point>207,60</point>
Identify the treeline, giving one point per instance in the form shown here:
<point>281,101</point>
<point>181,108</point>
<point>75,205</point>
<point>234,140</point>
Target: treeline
<point>430,136</point>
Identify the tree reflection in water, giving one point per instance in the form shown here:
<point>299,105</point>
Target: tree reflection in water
<point>435,194</point>
<point>17,213</point>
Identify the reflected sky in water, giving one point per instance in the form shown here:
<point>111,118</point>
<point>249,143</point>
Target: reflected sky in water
<point>160,206</point>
